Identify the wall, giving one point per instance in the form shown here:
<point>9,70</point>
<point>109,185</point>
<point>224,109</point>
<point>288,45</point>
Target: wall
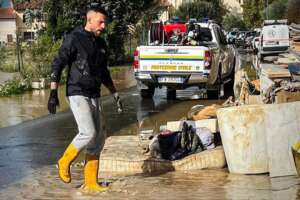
<point>7,26</point>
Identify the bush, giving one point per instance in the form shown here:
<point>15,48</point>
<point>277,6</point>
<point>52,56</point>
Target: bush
<point>15,86</point>
<point>200,9</point>
<point>277,9</point>
<point>293,8</point>
<point>41,54</point>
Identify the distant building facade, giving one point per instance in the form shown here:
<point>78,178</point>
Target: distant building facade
<point>28,31</point>
<point>171,5</point>
<point>234,6</point>
<point>8,27</point>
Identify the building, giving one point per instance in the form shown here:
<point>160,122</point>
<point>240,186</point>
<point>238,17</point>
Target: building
<point>8,26</point>
<point>171,5</point>
<point>234,6</point>
<point>28,31</point>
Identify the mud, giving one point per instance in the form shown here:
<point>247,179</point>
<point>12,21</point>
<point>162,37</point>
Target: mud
<point>29,151</point>
<point>204,184</point>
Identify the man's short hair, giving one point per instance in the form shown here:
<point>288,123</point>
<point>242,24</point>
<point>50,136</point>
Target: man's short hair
<point>96,8</point>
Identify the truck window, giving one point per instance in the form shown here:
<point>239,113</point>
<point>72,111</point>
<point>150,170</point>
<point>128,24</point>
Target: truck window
<point>222,37</point>
<point>215,29</point>
<point>205,35</point>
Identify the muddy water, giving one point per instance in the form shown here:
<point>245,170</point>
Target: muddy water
<point>41,181</point>
<point>202,184</point>
<point>33,104</point>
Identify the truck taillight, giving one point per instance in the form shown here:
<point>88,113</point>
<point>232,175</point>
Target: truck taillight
<point>207,60</point>
<point>136,63</point>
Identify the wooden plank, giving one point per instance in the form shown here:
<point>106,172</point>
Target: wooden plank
<point>274,71</point>
<point>285,96</point>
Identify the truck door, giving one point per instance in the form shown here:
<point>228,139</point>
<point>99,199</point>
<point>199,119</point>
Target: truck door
<point>224,51</point>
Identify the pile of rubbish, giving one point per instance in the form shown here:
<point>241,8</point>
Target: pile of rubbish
<point>176,145</point>
<point>179,33</point>
<point>295,32</point>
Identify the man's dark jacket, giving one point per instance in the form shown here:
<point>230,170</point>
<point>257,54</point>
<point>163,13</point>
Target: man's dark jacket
<point>86,56</point>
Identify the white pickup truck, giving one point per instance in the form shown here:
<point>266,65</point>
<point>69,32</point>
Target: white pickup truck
<point>198,56</point>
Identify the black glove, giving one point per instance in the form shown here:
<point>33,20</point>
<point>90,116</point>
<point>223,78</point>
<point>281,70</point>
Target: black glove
<point>53,102</point>
<point>118,101</point>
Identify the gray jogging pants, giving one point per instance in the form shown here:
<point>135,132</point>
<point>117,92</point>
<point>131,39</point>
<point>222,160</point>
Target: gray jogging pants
<point>89,118</point>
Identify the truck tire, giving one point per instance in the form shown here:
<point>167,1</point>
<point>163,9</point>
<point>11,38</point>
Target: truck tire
<point>147,93</point>
<point>171,94</point>
<point>212,94</point>
<point>228,87</point>
<point>215,93</point>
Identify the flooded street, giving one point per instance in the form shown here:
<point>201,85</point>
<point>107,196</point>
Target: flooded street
<point>33,104</point>
<point>30,150</point>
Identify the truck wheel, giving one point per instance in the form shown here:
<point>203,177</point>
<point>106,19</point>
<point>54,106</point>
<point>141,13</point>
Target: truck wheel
<point>147,93</point>
<point>228,87</point>
<point>215,93</point>
<point>171,94</point>
<point>212,94</point>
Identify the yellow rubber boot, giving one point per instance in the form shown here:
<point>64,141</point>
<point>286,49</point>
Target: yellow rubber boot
<point>65,161</point>
<point>91,174</point>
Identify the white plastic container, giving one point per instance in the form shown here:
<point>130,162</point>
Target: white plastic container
<point>244,139</point>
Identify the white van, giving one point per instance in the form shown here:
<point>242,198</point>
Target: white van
<point>274,38</point>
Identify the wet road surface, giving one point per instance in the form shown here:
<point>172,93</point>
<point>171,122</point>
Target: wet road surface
<point>40,142</point>
<point>32,104</point>
<point>29,151</point>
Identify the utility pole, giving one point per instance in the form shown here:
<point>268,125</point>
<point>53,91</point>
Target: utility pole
<point>18,52</point>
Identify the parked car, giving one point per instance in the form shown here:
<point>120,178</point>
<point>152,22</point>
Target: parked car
<point>274,38</point>
<point>231,36</point>
<point>248,39</point>
<point>240,38</point>
<point>255,41</point>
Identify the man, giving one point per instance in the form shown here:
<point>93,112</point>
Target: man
<point>85,53</point>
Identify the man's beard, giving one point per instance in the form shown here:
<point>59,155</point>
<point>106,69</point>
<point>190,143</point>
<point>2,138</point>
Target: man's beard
<point>97,33</point>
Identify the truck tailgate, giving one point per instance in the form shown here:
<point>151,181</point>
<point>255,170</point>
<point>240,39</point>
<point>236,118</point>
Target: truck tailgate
<point>172,59</point>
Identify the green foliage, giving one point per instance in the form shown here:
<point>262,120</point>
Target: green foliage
<point>42,53</point>
<point>3,55</point>
<point>28,16</point>
<point>231,21</point>
<point>15,86</point>
<point>293,13</point>
<point>8,59</point>
<point>63,16</point>
<point>252,13</point>
<point>277,9</point>
<point>202,8</point>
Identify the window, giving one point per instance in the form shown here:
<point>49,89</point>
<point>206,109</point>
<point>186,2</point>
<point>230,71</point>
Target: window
<point>28,36</point>
<point>205,34</point>
<point>220,36</point>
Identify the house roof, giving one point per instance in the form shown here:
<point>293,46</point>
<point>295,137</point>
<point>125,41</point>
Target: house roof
<point>30,4</point>
<point>7,13</point>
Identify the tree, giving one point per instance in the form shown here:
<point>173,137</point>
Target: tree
<point>293,14</point>
<point>200,9</point>
<point>252,13</point>
<point>65,15</point>
<point>231,21</point>
<point>277,9</point>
